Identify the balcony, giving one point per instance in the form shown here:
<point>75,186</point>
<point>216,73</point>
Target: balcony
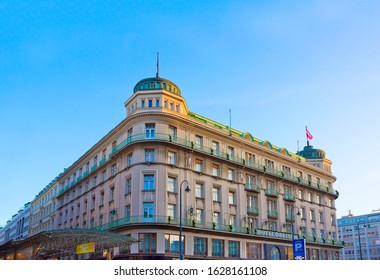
<point>271,192</point>
<point>272,214</point>
<point>289,217</point>
<point>252,188</point>
<point>289,197</point>
<point>253,210</point>
<point>102,161</point>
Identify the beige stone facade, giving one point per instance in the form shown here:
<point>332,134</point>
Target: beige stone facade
<point>242,190</point>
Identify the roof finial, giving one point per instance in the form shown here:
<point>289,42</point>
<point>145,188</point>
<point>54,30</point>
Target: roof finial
<point>158,65</point>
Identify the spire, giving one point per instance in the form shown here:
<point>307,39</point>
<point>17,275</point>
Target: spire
<point>158,65</point>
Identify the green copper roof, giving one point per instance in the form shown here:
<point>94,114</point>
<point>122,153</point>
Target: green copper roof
<point>157,83</point>
<point>310,153</point>
<point>245,135</point>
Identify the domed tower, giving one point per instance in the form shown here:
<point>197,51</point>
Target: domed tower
<point>316,157</point>
<point>156,94</point>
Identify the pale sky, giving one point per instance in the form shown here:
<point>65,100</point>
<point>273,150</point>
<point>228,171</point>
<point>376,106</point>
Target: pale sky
<point>66,70</point>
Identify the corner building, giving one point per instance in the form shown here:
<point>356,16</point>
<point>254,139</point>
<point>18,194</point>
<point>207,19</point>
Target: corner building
<point>242,190</point>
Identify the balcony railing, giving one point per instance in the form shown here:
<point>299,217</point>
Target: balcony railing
<point>289,197</point>
<point>208,150</point>
<point>253,210</point>
<point>271,192</point>
<point>272,214</point>
<point>203,225</point>
<point>252,187</point>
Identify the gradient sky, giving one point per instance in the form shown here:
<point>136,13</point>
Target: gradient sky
<point>67,68</point>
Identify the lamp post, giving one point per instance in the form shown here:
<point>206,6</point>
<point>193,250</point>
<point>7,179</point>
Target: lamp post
<point>180,216</point>
<point>360,244</point>
<point>292,219</point>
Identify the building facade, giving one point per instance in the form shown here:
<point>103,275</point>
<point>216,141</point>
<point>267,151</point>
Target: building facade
<point>361,236</point>
<point>43,208</point>
<point>244,195</point>
<point>17,228</point>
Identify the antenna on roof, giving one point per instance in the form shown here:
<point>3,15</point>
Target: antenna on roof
<point>158,65</point>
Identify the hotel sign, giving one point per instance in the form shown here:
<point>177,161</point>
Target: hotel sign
<point>275,234</point>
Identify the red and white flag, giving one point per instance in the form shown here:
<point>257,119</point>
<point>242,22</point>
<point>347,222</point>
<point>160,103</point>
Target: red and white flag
<point>308,134</point>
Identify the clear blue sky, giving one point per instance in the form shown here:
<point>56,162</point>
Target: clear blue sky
<point>66,70</point>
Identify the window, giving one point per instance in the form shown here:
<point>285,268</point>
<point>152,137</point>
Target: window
<point>232,220</point>
<point>312,215</point>
<point>319,199</point>
<point>172,133</point>
<point>309,178</point>
<point>215,170</point>
<point>148,209</point>
<point>231,198</point>
<point>172,182</point>
<point>310,196</point>
<point>150,103</point>
<point>150,130</point>
<point>129,160</point>
<point>234,249</point>
<point>199,215</point>
<point>230,152</point>
<point>216,194</point>
<point>286,169</point>
<point>157,102</point>
<point>215,147</point>
<point>128,211</point>
<point>112,194</point>
<point>216,218</point>
<point>165,103</point>
<point>217,248</point>
<point>321,218</point>
<point>101,199</point>
<point>252,201</point>
<point>100,220</point>
<point>171,106</point>
<point>113,170</point>
<point>128,185</point>
<point>148,242</point>
<point>88,166</point>
<point>199,191</point>
<point>250,159</point>
<point>95,161</point>
<point>301,194</point>
<point>142,103</point>
<point>94,181</point>
<point>269,164</point>
<point>104,175</point>
<point>172,157</point>
<point>198,142</point>
<point>332,220</point>
<point>149,183</point>
<point>149,155</point>
<point>251,180</point>
<point>104,154</point>
<point>272,206</point>
<point>198,165</point>
<point>200,246</point>
<point>171,210</point>
<point>172,244</point>
<point>129,135</point>
<point>231,174</point>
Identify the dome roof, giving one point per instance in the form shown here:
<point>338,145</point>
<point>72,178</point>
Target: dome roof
<point>309,152</point>
<point>157,83</point>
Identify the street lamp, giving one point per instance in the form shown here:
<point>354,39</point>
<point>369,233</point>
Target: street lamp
<point>180,216</point>
<point>360,244</point>
<point>292,219</point>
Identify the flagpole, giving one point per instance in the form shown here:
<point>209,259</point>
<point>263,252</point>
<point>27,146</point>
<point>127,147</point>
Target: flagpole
<point>307,139</point>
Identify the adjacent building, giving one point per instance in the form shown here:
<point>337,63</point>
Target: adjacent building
<point>361,236</point>
<point>16,228</point>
